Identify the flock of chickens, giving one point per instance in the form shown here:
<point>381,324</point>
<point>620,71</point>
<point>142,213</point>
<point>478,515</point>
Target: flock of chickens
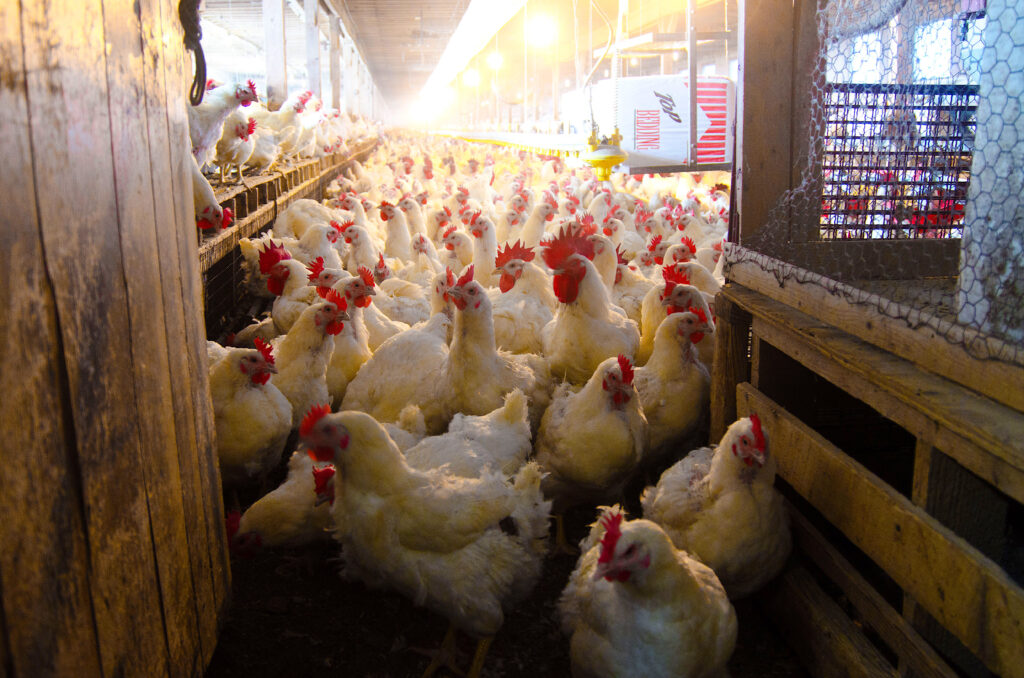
<point>467,341</point>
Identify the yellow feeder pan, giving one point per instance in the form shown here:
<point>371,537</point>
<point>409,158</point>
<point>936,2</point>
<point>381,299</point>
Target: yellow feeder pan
<point>604,154</point>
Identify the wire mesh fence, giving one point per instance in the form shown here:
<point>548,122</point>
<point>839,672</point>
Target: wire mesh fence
<point>914,169</point>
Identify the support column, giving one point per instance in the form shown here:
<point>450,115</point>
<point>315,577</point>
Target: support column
<point>311,9</point>
<point>274,51</point>
<point>335,63</point>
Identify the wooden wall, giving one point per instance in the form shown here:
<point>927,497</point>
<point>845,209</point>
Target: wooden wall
<point>113,558</point>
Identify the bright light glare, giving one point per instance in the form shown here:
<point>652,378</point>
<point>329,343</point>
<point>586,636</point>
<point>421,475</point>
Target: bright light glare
<point>494,61</point>
<point>542,30</point>
<point>471,78</point>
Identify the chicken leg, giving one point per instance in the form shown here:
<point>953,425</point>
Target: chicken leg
<point>445,655</point>
<point>482,646</point>
<point>561,545</point>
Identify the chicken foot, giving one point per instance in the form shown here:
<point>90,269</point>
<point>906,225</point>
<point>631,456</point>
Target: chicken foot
<point>561,545</point>
<point>444,655</point>
<point>482,646</point>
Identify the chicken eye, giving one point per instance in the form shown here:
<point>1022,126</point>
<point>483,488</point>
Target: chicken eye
<point>631,550</point>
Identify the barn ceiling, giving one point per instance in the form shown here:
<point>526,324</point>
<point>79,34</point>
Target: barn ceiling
<point>402,40</point>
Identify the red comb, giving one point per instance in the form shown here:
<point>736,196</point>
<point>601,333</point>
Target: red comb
<point>612,532</point>
<point>513,251</point>
<point>272,256</point>
<point>385,203</point>
<point>252,88</point>
<point>690,245</point>
<point>305,97</point>
<point>673,276</point>
<point>476,215</point>
<point>653,245</point>
<point>447,210</point>
<point>265,349</point>
<point>626,368</point>
<point>316,268</point>
<point>334,298</point>
<point>565,244</point>
<point>448,231</point>
<point>211,84</point>
<point>252,126</point>
<point>755,422</point>
<point>315,414</point>
<point>718,245</point>
<point>367,276</point>
<point>227,217</point>
<point>466,277</point>
<point>699,312</point>
<point>587,219</point>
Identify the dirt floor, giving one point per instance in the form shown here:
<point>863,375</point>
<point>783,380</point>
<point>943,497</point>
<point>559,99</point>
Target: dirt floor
<point>291,615</point>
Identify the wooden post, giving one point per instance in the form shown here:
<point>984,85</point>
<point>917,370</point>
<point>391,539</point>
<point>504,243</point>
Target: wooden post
<point>276,55</point>
<point>335,63</point>
<point>732,331</point>
<point>312,10</point>
<point>763,111</point>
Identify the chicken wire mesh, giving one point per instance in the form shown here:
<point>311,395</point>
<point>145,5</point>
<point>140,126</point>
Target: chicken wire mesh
<point>911,193</point>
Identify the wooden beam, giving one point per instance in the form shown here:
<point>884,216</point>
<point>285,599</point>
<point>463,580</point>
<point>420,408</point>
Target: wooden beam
<point>275,53</point>
<point>335,62</point>
<point>763,110</point>
<point>47,614</point>
<point>983,435</point>
<point>311,9</point>
<point>827,642</point>
<point>909,333</point>
<point>965,591</point>
<point>732,330</point>
<point>876,612</point>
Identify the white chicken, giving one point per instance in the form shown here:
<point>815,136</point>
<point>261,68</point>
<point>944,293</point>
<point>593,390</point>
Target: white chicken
<point>720,505</point>
<point>636,605</point>
<point>465,548</point>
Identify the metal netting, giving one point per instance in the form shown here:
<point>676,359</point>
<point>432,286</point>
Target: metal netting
<point>912,188</point>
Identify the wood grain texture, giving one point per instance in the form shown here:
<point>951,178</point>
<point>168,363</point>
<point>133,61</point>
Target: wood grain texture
<point>827,642</point>
<point>195,345</point>
<point>983,435</point>
<point>132,90</point>
<point>763,112</point>
<point>44,577</point>
<point>732,328</point>
<point>910,335</point>
<point>967,593</point>
<point>917,654</point>
<point>806,141</point>
<point>74,176</point>
<point>203,519</point>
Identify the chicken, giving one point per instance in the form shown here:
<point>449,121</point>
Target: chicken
<point>475,375</point>
<point>674,295</point>
<point>720,505</point>
<point>351,345</point>
<point>305,352</point>
<point>525,301</point>
<point>252,416</point>
<point>466,548</point>
<point>591,440</point>
<point>209,213</point>
<point>585,331</point>
<point>636,605</point>
<point>290,515</point>
<point>674,386</point>
<point>389,380</point>
<point>235,145</point>
<point>475,445</point>
<point>206,120</point>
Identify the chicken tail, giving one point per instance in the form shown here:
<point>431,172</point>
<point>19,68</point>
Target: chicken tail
<point>411,419</point>
<point>515,409</point>
<point>532,511</point>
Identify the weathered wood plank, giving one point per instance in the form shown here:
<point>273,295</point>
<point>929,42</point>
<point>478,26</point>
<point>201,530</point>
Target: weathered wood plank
<point>905,332</point>
<point>146,218</point>
<point>983,435</point>
<point>953,581</point>
<point>732,329</point>
<point>805,156</point>
<point>71,141</point>
<point>877,613</point>
<point>206,532</point>
<point>827,642</point>
<point>763,100</point>
<point>42,530</point>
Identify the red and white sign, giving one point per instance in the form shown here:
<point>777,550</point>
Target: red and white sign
<point>653,117</point>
